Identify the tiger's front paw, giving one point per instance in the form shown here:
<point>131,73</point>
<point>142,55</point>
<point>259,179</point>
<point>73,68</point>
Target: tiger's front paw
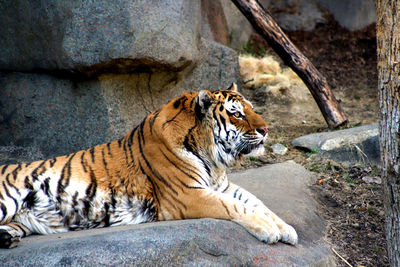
<point>262,227</point>
<point>289,235</point>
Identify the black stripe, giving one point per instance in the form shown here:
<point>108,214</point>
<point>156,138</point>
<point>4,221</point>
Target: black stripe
<point>92,187</point>
<point>11,185</point>
<point>3,169</point>
<point>83,161</point>
<point>189,186</point>
<point>3,209</point>
<point>190,148</point>
<point>223,122</point>
<point>105,163</point>
<point>153,119</point>
<point>130,138</point>
<point>65,176</point>
<point>19,226</point>
<point>46,186</point>
<point>35,173</point>
<point>155,173</point>
<point>182,161</point>
<point>30,199</point>
<point>107,215</point>
<point>234,194</point>
<point>15,172</point>
<point>178,201</point>
<point>187,174</point>
<point>155,187</point>
<point>179,101</point>
<point>86,208</point>
<point>226,188</point>
<point>240,196</point>
<point>28,184</point>
<point>91,151</point>
<point>113,199</point>
<point>141,127</point>
<point>216,119</point>
<point>52,162</point>
<point>125,148</point>
<point>128,147</point>
<point>75,199</point>
<point>109,149</point>
<point>10,196</point>
<point>28,164</point>
<point>119,142</point>
<point>172,119</point>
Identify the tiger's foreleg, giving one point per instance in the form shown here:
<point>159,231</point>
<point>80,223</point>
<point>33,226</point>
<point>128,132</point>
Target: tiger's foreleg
<point>212,204</point>
<point>287,232</point>
<point>11,234</point>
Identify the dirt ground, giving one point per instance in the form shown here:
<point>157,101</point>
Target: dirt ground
<point>351,205</point>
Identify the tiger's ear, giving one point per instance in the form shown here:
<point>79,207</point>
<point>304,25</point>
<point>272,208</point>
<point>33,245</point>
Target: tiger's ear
<point>232,87</point>
<point>203,103</point>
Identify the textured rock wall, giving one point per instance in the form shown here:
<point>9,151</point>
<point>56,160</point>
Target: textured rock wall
<point>74,74</point>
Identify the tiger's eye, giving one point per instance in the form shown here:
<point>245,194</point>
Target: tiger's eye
<point>237,114</point>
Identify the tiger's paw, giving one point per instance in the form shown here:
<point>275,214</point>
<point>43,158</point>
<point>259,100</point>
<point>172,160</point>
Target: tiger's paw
<point>7,240</point>
<point>262,227</point>
<point>288,234</point>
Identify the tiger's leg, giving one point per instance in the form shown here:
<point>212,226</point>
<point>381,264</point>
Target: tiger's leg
<point>208,203</point>
<point>288,234</point>
<point>11,234</point>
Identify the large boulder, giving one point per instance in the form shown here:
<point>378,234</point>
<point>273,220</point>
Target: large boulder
<point>59,115</point>
<point>76,74</point>
<point>98,36</point>
<point>283,187</point>
<point>352,15</point>
<point>358,144</point>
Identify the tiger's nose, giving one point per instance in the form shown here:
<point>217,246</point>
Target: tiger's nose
<point>262,130</point>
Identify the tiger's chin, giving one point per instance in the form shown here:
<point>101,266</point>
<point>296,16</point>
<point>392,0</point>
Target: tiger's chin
<point>254,151</point>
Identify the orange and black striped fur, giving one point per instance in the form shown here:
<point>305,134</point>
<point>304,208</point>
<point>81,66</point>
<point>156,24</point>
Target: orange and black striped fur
<point>171,166</point>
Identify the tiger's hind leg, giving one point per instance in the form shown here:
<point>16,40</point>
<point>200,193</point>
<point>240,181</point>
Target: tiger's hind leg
<point>11,234</point>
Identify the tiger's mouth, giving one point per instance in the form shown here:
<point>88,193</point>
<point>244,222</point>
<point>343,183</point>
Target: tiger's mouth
<point>253,147</point>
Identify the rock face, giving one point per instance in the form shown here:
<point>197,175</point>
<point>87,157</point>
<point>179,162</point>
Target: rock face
<point>75,74</point>
<point>98,35</point>
<point>282,187</point>
<point>358,144</point>
<point>353,15</point>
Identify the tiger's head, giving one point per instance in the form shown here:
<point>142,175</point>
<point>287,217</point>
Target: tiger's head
<point>235,129</point>
<point>218,127</point>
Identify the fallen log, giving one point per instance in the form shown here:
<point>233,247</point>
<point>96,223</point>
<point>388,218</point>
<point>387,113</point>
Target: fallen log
<point>266,26</point>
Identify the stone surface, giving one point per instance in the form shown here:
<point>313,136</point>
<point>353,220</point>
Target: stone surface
<point>239,28</point>
<point>353,15</point>
<point>195,242</point>
<point>53,115</point>
<point>297,15</point>
<point>98,36</point>
<point>358,144</point>
<point>16,154</point>
<point>279,149</point>
<point>58,115</point>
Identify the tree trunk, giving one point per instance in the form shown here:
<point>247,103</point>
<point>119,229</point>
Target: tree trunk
<point>266,26</point>
<point>388,40</point>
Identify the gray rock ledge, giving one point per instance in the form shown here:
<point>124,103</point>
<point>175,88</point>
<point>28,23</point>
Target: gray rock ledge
<point>283,187</point>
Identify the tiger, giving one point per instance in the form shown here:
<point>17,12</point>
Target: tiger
<point>171,166</point>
